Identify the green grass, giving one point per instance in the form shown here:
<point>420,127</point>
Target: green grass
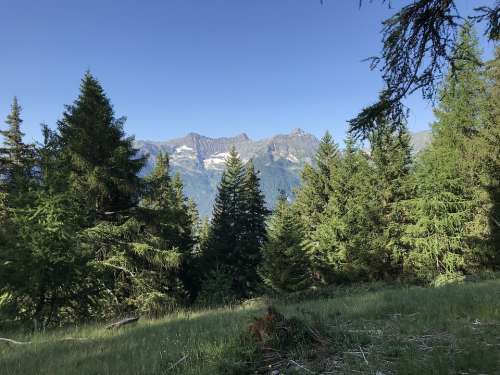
<point>398,330</point>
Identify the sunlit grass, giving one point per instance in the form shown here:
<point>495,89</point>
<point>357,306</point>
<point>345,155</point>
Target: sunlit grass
<point>399,330</point>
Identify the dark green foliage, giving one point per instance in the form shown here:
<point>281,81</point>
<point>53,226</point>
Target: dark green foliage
<point>254,223</point>
<point>489,148</point>
<point>143,251</point>
<point>391,161</point>
<point>46,271</point>
<point>217,288</point>
<point>102,163</point>
<point>447,233</point>
<point>17,160</point>
<point>341,247</point>
<point>314,193</point>
<point>224,246</point>
<point>237,230</point>
<point>284,265</point>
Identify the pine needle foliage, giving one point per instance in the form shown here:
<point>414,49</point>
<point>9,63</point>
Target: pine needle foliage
<point>284,265</point>
<point>447,233</point>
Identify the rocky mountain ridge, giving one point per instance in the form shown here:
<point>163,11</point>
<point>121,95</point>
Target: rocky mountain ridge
<point>200,160</point>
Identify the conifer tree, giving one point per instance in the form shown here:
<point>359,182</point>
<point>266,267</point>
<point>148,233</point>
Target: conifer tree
<point>254,223</point>
<point>235,217</point>
<point>52,173</point>
<point>313,195</point>
<point>489,147</point>
<point>143,252</point>
<point>447,232</point>
<point>284,265</point>
<point>16,158</point>
<point>341,247</point>
<point>102,162</point>
<point>48,272</point>
<point>9,272</point>
<point>391,158</point>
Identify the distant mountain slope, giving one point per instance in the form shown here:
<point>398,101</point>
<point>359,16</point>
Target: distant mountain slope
<point>200,161</point>
<point>420,140</point>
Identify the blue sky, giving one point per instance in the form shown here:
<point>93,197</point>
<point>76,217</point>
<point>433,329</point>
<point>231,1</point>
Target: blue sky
<point>216,67</point>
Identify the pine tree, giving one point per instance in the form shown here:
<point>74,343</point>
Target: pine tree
<point>284,266</point>
<point>313,195</point>
<point>254,224</point>
<point>166,198</point>
<point>16,158</point>
<point>10,277</point>
<point>144,251</point>
<point>102,162</point>
<point>226,250</point>
<point>49,276</point>
<point>489,148</point>
<point>391,158</point>
<point>341,247</point>
<point>52,170</point>
<point>447,232</point>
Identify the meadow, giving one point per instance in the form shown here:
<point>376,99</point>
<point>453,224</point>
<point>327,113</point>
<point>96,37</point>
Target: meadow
<point>369,329</point>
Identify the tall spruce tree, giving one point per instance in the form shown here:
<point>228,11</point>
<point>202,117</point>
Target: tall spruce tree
<point>447,232</point>
<point>489,147</point>
<point>254,223</point>
<point>341,248</point>
<point>313,195</point>
<point>17,159</point>
<point>284,265</point>
<point>391,158</point>
<point>238,214</point>
<point>102,162</point>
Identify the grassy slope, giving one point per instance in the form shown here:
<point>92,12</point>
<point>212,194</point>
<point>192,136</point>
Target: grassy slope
<point>454,329</point>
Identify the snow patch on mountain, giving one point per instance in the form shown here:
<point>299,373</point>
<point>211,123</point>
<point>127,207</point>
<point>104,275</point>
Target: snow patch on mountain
<point>216,161</point>
<point>183,148</point>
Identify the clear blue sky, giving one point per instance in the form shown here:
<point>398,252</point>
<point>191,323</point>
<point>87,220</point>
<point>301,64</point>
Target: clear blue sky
<point>216,67</point>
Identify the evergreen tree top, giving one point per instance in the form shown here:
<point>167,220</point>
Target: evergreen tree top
<point>327,152</point>
<point>13,135</point>
<point>466,51</point>
<point>234,172</point>
<point>459,108</point>
<point>161,168</point>
<point>89,125</point>
<point>102,161</point>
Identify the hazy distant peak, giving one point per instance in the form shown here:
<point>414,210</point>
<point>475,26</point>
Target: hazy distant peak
<point>298,131</point>
<point>243,137</point>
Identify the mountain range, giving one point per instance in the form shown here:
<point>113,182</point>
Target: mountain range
<point>200,161</point>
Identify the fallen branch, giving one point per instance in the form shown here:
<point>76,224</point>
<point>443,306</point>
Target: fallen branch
<point>10,341</point>
<point>14,342</point>
<point>122,322</point>
<point>374,332</point>
<point>302,367</point>
<point>366,361</point>
<point>176,363</point>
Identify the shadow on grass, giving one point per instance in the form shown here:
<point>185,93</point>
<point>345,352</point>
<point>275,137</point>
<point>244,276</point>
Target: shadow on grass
<point>199,342</point>
<point>152,347</point>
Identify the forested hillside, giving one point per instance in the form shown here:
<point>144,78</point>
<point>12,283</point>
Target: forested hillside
<point>85,236</point>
